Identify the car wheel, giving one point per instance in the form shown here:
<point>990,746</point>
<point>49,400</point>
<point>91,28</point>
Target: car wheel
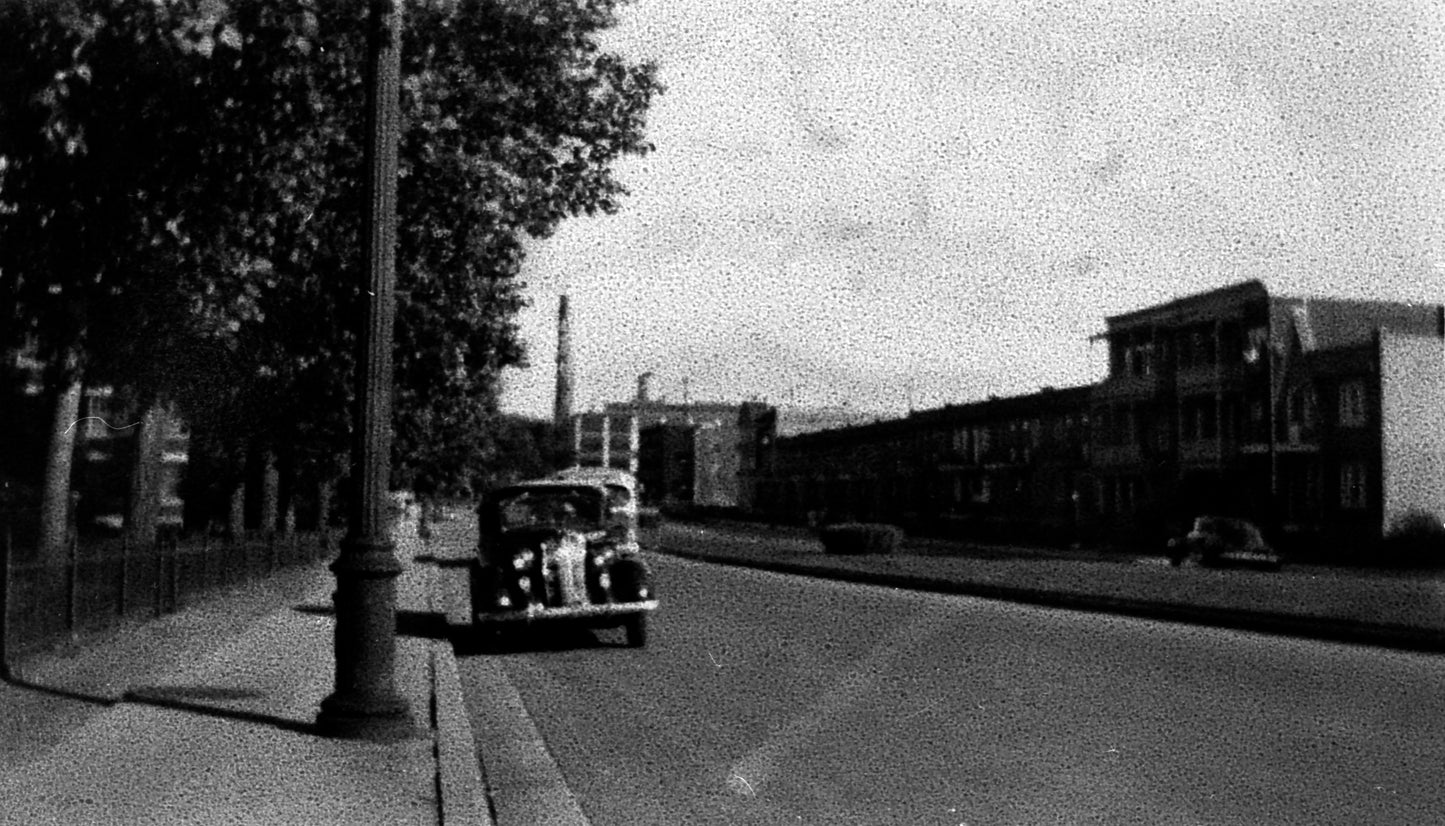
<point>483,581</point>
<point>636,631</point>
<point>630,580</point>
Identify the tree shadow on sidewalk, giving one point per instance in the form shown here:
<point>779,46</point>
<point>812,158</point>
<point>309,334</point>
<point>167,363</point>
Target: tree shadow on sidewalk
<point>174,698</point>
<point>21,682</point>
<point>190,698</point>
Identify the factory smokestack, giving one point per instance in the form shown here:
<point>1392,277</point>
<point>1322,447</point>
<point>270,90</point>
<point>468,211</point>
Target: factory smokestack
<point>562,406</point>
<point>644,387</point>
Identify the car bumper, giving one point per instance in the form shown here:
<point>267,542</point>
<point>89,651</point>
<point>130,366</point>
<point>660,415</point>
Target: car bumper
<point>605,611</point>
<point>1243,560</point>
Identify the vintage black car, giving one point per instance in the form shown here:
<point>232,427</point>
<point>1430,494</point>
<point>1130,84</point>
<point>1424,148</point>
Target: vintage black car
<point>564,550</point>
<point>1219,542</point>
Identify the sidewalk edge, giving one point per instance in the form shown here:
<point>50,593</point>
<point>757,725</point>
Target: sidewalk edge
<point>463,794</point>
<point>1330,629</point>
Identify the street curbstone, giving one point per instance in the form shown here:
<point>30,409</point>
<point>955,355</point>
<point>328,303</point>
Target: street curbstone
<point>462,791</point>
<point>1329,629</point>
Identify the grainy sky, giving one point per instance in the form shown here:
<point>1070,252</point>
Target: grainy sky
<point>881,203</point>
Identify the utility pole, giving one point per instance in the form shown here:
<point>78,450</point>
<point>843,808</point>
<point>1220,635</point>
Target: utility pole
<point>365,704</point>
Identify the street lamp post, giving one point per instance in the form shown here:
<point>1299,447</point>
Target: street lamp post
<point>365,704</point>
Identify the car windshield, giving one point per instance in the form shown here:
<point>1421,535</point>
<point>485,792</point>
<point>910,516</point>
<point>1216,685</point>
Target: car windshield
<point>618,498</point>
<point>576,508</point>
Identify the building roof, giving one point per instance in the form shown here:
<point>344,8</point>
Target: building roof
<point>653,411</point>
<point>1047,400</point>
<point>1206,305</point>
<point>1321,323</point>
<point>795,421</point>
<point>1333,323</point>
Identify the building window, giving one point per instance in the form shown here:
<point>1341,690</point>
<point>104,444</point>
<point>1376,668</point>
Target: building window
<point>1301,413</point>
<point>1208,418</point>
<point>1140,359</point>
<point>1198,419</point>
<point>982,490</point>
<point>1352,404</point>
<point>1352,485</point>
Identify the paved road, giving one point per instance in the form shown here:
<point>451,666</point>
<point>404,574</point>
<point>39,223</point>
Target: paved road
<point>765,698</point>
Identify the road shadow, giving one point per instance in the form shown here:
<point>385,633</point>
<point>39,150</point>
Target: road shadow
<point>548,638</point>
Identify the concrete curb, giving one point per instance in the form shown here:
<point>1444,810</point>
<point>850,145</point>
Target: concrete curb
<point>1330,629</point>
<point>506,776</point>
<point>461,790</point>
<point>525,782</point>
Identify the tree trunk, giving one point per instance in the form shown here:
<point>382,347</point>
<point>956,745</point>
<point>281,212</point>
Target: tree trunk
<point>270,494</point>
<point>325,495</point>
<point>237,517</point>
<point>55,515</point>
<point>145,473</point>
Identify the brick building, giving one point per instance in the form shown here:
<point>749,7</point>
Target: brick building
<point>1239,401</point>
<point>1321,419</point>
<point>995,468</point>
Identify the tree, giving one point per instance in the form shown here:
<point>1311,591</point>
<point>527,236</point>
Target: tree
<point>179,188</point>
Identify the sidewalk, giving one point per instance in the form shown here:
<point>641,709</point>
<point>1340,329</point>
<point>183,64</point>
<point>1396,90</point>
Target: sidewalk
<point>1397,611</point>
<point>228,736</point>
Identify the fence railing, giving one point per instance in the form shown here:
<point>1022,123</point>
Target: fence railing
<point>103,581</point>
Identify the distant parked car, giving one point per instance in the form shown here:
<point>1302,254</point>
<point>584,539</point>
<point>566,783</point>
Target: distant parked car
<point>1221,542</point>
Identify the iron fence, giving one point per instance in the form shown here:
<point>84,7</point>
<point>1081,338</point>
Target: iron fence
<point>106,580</point>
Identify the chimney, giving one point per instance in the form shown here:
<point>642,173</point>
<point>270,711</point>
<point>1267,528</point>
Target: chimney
<point>644,387</point>
<point>562,406</point>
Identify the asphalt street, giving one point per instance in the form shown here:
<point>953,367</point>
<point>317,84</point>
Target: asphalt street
<point>770,698</point>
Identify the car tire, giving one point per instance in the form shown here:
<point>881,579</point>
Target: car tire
<point>631,581</point>
<point>482,588</point>
<point>636,627</point>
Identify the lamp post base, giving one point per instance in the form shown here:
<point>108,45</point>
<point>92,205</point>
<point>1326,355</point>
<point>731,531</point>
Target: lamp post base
<point>377,719</point>
<point>365,704</point>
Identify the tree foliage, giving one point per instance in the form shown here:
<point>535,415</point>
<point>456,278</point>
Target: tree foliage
<point>180,202</point>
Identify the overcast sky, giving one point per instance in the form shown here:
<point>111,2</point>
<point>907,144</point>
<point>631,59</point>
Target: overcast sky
<point>872,203</point>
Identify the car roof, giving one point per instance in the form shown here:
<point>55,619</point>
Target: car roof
<point>597,475</point>
<point>547,484</point>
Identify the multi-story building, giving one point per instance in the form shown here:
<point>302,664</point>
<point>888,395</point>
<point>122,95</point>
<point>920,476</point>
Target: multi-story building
<point>641,433</point>
<point>607,439</point>
<point>1000,467</point>
<point>665,469</point>
<point>1239,401</point>
<point>1321,419</point>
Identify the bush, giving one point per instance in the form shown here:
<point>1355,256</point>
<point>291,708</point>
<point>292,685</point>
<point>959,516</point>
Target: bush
<point>860,538</point>
<point>1415,540</point>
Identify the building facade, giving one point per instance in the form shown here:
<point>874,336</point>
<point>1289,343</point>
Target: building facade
<point>999,468</point>
<point>1321,419</point>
